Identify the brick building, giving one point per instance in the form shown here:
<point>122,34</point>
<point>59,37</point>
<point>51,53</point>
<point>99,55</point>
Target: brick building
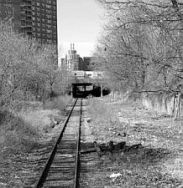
<point>35,18</point>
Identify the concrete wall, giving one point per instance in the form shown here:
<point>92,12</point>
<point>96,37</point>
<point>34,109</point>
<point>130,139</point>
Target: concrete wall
<point>162,103</point>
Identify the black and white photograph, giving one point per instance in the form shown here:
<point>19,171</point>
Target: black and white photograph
<point>91,93</point>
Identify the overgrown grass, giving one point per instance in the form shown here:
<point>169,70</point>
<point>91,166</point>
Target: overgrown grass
<point>17,138</point>
<point>101,111</point>
<point>104,120</point>
<point>158,163</point>
<point>22,131</point>
<point>15,133</point>
<point>18,106</point>
<point>41,117</point>
<point>57,103</point>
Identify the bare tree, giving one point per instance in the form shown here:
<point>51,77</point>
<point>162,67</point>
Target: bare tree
<point>27,70</point>
<point>143,43</point>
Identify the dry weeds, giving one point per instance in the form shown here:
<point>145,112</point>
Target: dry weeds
<point>24,130</point>
<point>159,163</point>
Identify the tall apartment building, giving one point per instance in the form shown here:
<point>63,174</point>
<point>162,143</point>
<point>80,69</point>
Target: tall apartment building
<point>35,18</point>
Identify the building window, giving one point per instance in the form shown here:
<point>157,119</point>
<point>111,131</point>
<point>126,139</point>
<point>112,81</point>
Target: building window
<point>49,35</point>
<point>49,31</point>
<point>54,17</point>
<point>48,11</point>
<point>49,21</point>
<point>48,16</point>
<point>49,1</point>
<point>48,6</point>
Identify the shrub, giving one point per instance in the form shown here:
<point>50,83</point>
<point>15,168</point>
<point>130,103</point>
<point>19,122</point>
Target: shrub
<point>27,70</point>
<point>58,103</point>
<point>15,133</point>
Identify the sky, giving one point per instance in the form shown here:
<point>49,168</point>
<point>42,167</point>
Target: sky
<point>79,22</point>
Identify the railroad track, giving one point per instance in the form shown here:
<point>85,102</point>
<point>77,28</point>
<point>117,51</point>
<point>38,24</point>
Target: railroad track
<point>62,167</point>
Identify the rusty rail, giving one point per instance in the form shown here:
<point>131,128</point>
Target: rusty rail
<point>44,173</point>
<point>76,178</point>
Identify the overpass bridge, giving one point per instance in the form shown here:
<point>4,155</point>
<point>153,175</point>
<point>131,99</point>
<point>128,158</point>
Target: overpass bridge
<point>88,83</point>
<point>88,75</point>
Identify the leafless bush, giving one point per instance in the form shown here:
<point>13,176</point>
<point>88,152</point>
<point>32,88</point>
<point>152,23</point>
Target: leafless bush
<point>28,71</point>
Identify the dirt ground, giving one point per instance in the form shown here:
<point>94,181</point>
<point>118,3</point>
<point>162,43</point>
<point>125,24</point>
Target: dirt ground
<point>16,165</point>
<point>158,162</point>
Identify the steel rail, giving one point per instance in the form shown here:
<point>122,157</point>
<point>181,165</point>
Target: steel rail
<point>77,166</point>
<point>44,173</point>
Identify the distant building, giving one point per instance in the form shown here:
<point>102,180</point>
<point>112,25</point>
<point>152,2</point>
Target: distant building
<point>35,18</point>
<point>72,60</point>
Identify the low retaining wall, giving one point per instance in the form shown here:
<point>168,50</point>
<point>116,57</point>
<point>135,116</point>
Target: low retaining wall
<point>160,102</point>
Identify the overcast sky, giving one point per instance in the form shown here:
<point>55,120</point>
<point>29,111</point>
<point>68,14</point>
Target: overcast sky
<point>79,22</point>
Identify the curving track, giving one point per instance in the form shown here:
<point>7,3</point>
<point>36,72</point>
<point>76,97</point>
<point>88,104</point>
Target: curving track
<point>62,167</point>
